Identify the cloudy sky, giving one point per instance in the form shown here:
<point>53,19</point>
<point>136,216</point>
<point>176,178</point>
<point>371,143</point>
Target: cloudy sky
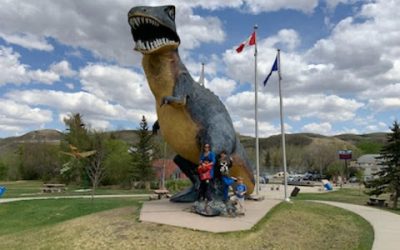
<point>340,63</point>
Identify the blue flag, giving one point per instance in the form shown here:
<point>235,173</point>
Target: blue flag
<point>274,68</point>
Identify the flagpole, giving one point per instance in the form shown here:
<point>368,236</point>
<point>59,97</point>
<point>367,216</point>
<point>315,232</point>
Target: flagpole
<point>256,116</point>
<point>282,127</point>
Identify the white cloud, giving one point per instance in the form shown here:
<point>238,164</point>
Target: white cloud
<point>118,85</point>
<point>222,87</point>
<point>239,65</point>
<point>325,108</point>
<point>333,3</point>
<point>246,126</point>
<point>28,41</point>
<point>324,128</point>
<point>392,90</point>
<point>365,45</point>
<point>13,72</point>
<point>17,117</point>
<point>195,30</point>
<point>100,27</point>
<point>257,6</point>
<point>90,106</point>
<point>41,76</point>
<point>63,68</point>
<point>385,104</point>
<point>70,85</point>
<point>382,98</point>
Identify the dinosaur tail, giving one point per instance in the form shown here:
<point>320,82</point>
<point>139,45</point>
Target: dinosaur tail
<point>242,167</point>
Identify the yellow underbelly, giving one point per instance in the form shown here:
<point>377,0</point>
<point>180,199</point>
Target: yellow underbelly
<point>180,131</point>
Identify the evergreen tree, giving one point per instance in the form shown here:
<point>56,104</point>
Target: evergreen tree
<point>268,162</point>
<point>388,180</point>
<point>142,154</point>
<point>77,136</point>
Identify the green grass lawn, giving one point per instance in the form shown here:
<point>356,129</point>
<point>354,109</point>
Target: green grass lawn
<point>346,195</point>
<point>28,215</point>
<point>297,225</point>
<point>33,188</point>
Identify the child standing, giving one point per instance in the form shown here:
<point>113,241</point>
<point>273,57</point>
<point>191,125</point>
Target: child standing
<point>240,192</point>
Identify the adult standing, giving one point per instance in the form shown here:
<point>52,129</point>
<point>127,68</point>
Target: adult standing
<point>206,172</point>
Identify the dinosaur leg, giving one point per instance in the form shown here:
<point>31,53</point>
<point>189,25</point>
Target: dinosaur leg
<point>190,170</point>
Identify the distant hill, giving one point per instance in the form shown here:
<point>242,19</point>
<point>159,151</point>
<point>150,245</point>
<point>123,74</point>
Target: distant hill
<point>370,142</point>
<point>50,136</point>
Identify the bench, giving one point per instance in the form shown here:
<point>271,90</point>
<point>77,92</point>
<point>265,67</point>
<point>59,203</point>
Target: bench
<point>53,188</point>
<point>376,202</point>
<point>162,193</point>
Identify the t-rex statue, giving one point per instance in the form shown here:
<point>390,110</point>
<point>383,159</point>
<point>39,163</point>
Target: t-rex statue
<point>189,115</point>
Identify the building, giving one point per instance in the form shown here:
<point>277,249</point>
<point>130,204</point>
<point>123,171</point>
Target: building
<point>172,171</point>
<point>369,164</point>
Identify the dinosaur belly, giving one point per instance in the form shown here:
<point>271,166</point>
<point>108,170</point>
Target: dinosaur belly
<point>180,131</point>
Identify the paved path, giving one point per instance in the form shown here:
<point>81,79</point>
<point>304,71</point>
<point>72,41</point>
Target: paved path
<point>178,214</point>
<point>6,200</point>
<point>386,224</point>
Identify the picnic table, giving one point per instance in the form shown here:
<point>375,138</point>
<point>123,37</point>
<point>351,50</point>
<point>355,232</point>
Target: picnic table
<point>53,188</point>
<point>376,202</point>
<point>162,193</point>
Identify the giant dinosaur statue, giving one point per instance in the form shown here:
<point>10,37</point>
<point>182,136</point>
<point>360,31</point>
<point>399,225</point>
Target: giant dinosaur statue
<point>189,115</point>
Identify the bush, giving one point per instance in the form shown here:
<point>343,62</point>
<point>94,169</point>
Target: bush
<point>177,185</point>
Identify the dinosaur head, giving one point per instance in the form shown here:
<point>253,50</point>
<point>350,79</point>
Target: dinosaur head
<point>153,28</point>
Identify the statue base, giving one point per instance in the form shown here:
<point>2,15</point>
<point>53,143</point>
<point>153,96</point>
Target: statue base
<point>215,208</point>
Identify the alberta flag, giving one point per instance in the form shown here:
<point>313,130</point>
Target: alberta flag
<point>250,41</point>
<point>274,68</point>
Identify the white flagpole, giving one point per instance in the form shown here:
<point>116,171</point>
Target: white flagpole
<point>282,126</point>
<point>201,80</point>
<point>256,116</point>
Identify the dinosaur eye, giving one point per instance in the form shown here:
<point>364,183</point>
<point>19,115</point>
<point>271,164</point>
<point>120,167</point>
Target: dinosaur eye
<point>171,12</point>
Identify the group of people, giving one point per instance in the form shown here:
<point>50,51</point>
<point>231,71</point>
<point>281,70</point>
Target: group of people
<point>209,165</point>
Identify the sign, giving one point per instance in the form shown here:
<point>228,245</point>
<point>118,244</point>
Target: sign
<point>345,154</point>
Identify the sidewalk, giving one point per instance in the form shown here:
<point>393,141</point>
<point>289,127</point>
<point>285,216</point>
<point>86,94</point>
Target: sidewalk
<point>178,214</point>
<point>386,224</point>
<point>6,200</point>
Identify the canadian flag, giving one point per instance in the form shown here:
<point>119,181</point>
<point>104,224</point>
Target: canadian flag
<point>250,41</point>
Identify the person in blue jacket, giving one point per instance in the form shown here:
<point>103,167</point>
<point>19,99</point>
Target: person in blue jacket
<point>225,164</point>
<point>207,157</point>
<point>240,192</point>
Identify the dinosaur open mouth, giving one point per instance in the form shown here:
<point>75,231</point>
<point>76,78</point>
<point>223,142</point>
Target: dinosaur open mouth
<point>150,35</point>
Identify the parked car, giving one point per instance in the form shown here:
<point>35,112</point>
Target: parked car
<point>263,179</point>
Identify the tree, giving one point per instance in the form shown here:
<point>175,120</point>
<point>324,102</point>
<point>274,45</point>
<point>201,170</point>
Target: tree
<point>95,167</point>
<point>388,178</point>
<point>3,170</point>
<point>268,162</point>
<point>117,162</point>
<point>142,154</point>
<point>77,136</point>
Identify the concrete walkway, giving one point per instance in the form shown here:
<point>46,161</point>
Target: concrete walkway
<point>6,200</point>
<point>178,214</point>
<point>386,224</point>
